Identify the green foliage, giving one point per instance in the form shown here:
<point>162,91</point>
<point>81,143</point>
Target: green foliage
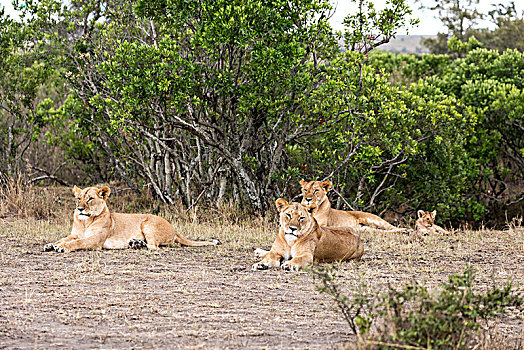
<point>458,16</point>
<point>408,144</point>
<point>246,83</point>
<point>509,32</point>
<point>449,318</point>
<point>461,48</point>
<point>508,35</point>
<point>356,310</point>
<point>485,165</point>
<point>407,68</point>
<point>23,73</point>
<point>384,24</point>
<point>445,318</point>
<point>227,73</point>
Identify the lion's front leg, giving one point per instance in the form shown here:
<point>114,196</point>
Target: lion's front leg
<point>260,253</point>
<point>298,262</point>
<point>54,245</point>
<point>271,259</point>
<point>93,241</point>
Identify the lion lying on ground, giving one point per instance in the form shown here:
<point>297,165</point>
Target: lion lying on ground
<point>315,192</point>
<point>426,223</point>
<point>94,227</point>
<point>301,241</point>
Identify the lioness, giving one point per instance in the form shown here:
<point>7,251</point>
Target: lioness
<point>315,192</point>
<point>300,241</point>
<point>95,227</point>
<point>426,223</point>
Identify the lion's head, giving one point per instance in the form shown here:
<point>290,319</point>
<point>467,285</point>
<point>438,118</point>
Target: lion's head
<point>295,219</point>
<point>427,218</point>
<point>90,201</point>
<point>314,192</point>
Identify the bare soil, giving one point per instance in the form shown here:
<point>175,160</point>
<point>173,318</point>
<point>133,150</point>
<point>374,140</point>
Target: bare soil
<point>209,297</point>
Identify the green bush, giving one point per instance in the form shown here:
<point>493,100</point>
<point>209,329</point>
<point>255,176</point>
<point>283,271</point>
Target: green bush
<point>488,86</point>
<point>445,318</point>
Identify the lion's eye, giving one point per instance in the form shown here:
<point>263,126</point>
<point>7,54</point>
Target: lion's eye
<point>288,216</point>
<point>89,200</point>
<point>315,191</point>
<point>302,218</point>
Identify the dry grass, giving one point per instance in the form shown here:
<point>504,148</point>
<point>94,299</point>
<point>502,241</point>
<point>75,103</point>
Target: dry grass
<point>199,297</point>
<point>18,200</point>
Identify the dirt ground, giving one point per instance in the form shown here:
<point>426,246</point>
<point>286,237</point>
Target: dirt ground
<point>209,297</point>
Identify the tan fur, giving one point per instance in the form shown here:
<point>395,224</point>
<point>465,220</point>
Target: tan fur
<point>301,241</point>
<point>426,223</point>
<point>315,192</point>
<point>94,227</point>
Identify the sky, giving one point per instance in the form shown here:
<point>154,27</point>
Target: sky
<point>429,24</point>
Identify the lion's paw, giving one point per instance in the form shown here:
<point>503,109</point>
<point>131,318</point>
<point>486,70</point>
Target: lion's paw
<point>49,247</point>
<point>59,249</point>
<point>260,253</point>
<point>289,267</point>
<point>260,266</point>
<point>137,244</point>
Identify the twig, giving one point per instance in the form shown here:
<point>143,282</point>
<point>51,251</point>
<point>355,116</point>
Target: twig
<point>516,200</point>
<point>118,190</point>
<point>48,175</point>
<point>344,162</point>
<point>343,199</point>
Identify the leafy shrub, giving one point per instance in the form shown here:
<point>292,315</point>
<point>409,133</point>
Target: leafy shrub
<point>488,85</point>
<point>447,318</point>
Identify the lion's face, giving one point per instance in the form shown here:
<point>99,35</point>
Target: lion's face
<point>314,192</point>
<point>90,201</point>
<point>427,218</point>
<point>295,219</point>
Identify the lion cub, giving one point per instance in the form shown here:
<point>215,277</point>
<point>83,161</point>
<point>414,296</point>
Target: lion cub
<point>300,241</point>
<point>94,227</point>
<point>426,223</point>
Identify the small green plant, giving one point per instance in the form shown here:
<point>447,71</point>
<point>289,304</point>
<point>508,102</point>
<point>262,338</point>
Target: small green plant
<point>416,317</point>
<point>356,310</point>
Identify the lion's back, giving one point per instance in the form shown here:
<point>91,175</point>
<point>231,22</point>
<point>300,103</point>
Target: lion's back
<point>341,218</point>
<point>338,243</point>
<point>129,223</point>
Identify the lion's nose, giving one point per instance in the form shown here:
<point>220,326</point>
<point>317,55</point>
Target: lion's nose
<point>308,199</point>
<point>80,209</point>
<point>292,228</point>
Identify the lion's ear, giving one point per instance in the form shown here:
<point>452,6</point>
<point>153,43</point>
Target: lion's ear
<point>77,191</point>
<point>420,213</point>
<point>311,208</point>
<point>326,185</point>
<point>433,214</point>
<point>104,192</point>
<point>281,203</point>
<point>303,183</point>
